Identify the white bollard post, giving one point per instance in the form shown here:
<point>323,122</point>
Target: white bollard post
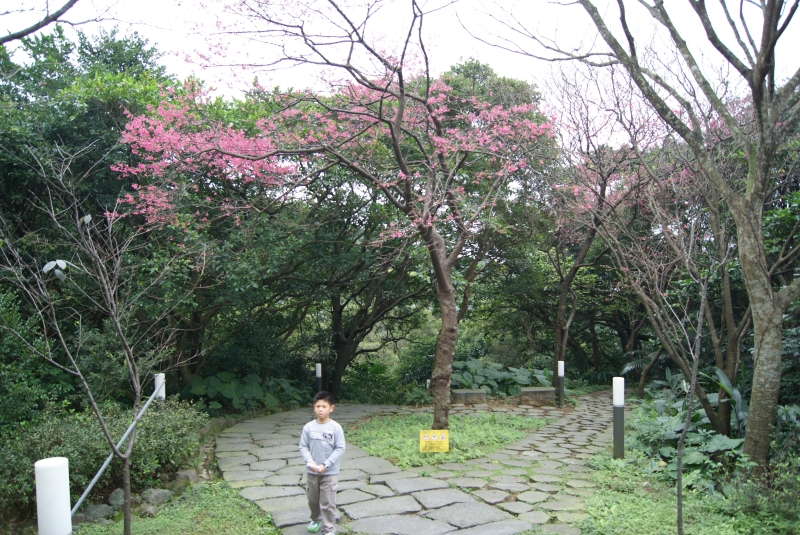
<point>160,386</point>
<point>619,417</point>
<point>560,383</point>
<point>319,377</point>
<point>52,496</point>
<point>428,385</point>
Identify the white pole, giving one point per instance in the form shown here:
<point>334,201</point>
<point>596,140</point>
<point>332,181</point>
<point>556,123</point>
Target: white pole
<point>319,370</point>
<point>561,368</point>
<point>619,391</point>
<point>618,397</point>
<point>52,496</point>
<point>160,386</point>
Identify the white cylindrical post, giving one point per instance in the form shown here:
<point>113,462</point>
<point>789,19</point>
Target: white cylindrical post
<point>619,417</point>
<point>160,386</point>
<point>560,384</point>
<point>428,385</point>
<point>619,391</point>
<point>52,496</point>
<point>319,376</point>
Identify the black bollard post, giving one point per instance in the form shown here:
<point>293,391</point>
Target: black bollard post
<point>319,377</point>
<point>560,384</point>
<point>619,417</point>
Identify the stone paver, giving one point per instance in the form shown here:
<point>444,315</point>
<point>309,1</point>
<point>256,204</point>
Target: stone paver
<point>384,506</point>
<point>532,478</point>
<point>347,497</point>
<point>416,484</point>
<point>467,482</point>
<point>433,499</point>
<point>515,507</point>
<point>466,515</point>
<point>399,525</point>
<point>506,527</point>
<point>491,496</point>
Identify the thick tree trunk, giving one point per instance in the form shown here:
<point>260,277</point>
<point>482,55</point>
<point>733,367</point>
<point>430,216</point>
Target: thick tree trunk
<point>445,353</point>
<point>448,333</point>
<point>767,315</point>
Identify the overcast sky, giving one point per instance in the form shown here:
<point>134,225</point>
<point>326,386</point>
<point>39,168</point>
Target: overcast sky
<point>181,28</point>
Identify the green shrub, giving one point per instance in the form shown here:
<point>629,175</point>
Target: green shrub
<point>224,389</point>
<point>369,382</point>
<point>166,438</point>
<point>490,377</point>
<point>27,382</point>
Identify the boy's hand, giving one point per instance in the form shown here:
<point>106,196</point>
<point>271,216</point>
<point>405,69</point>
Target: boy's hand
<point>321,468</point>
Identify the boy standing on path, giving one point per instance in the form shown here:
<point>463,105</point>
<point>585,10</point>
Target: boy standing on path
<point>322,445</point>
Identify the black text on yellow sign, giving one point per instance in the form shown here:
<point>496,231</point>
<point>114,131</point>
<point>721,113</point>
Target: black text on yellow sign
<point>434,440</point>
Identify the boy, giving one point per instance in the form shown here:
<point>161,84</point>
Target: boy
<point>322,445</point>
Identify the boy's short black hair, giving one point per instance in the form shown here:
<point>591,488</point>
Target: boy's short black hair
<point>323,396</point>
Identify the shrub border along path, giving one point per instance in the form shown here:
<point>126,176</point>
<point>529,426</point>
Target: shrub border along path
<point>537,483</point>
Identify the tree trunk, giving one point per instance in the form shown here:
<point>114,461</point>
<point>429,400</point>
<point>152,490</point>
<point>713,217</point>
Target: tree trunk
<point>126,488</point>
<point>445,353</point>
<point>448,333</point>
<point>595,345</point>
<point>767,315</point>
<point>561,334</point>
<point>767,334</point>
<point>645,371</point>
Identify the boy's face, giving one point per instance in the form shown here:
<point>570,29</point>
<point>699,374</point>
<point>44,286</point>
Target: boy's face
<point>322,410</point>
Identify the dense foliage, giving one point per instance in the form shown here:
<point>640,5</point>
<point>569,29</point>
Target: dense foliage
<point>166,440</point>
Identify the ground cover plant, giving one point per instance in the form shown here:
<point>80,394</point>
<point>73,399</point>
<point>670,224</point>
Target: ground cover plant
<point>631,499</point>
<point>205,509</point>
<point>396,438</point>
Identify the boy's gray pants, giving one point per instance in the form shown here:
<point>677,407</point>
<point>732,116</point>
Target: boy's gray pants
<point>321,492</point>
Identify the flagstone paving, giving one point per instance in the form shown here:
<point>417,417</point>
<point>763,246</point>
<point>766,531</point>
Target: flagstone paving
<point>536,483</point>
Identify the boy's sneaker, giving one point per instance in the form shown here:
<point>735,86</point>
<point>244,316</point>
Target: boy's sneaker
<point>313,527</point>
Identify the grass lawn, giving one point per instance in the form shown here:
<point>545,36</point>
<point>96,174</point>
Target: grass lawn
<point>396,438</point>
<point>204,509</point>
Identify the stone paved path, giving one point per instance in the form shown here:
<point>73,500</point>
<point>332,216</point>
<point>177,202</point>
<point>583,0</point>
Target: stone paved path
<point>537,483</point>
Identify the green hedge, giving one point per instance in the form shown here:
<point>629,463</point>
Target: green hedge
<point>166,438</point>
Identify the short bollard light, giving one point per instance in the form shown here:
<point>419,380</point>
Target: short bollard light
<point>319,377</point>
<point>160,386</point>
<point>428,385</point>
<point>52,496</point>
<point>560,384</point>
<point>619,417</point>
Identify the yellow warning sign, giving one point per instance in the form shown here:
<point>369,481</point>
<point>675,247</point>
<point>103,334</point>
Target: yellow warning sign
<point>434,440</point>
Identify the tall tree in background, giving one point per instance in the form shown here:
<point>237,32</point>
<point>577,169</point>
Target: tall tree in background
<point>690,97</point>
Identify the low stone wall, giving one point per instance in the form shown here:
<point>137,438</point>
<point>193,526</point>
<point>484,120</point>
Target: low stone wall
<point>538,396</point>
<point>468,396</point>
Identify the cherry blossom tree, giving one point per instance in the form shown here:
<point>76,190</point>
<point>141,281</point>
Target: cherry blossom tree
<point>596,181</point>
<point>440,158</point>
